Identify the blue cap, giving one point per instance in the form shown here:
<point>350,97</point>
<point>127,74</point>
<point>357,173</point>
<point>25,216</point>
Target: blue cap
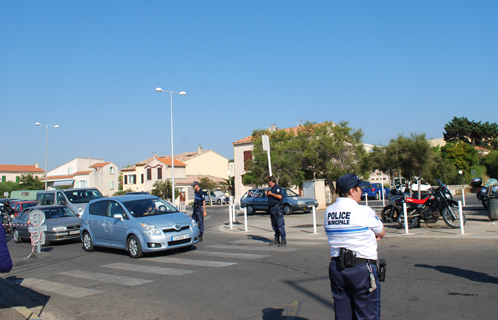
<point>349,181</point>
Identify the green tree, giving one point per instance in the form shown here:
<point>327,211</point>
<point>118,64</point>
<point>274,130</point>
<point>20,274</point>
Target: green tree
<point>462,156</point>
<point>471,132</point>
<point>8,186</point>
<point>490,161</point>
<point>162,189</point>
<point>207,184</point>
<point>30,182</point>
<point>229,185</point>
<point>331,150</point>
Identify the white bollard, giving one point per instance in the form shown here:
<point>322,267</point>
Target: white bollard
<point>461,217</point>
<point>366,199</point>
<point>463,196</point>
<point>314,220</point>
<point>406,217</point>
<point>383,197</point>
<point>245,219</point>
<point>230,214</point>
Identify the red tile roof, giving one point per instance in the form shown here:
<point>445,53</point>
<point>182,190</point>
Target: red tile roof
<point>99,165</point>
<point>82,172</point>
<point>251,138</point>
<point>20,168</point>
<point>164,159</point>
<point>69,176</point>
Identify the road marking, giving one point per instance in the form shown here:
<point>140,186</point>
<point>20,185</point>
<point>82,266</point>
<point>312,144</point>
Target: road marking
<point>59,288</point>
<point>232,255</point>
<point>103,277</point>
<point>148,269</point>
<point>291,243</point>
<point>202,263</point>
<point>253,248</point>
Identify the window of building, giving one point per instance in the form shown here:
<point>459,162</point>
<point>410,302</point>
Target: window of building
<point>17,179</point>
<point>132,179</point>
<point>125,179</point>
<point>159,173</point>
<point>112,184</point>
<point>69,170</point>
<point>141,178</point>
<point>3,178</point>
<point>111,170</point>
<point>149,174</point>
<point>247,157</point>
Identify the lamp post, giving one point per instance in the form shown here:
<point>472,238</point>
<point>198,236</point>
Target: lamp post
<point>46,150</point>
<point>172,154</point>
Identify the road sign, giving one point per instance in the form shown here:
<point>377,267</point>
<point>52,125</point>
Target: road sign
<point>36,218</point>
<point>36,229</point>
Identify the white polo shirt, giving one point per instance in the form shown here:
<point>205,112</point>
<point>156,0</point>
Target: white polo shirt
<point>351,226</point>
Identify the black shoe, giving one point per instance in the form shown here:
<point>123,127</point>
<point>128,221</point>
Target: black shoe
<point>200,237</point>
<point>282,243</point>
<point>274,243</point>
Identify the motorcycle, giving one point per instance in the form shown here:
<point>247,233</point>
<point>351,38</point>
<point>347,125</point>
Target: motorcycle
<point>430,208</point>
<point>396,197</point>
<point>482,191</point>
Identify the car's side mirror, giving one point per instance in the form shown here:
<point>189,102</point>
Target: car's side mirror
<point>118,216</point>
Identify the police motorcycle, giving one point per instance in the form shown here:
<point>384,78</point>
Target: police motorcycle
<point>5,218</point>
<point>396,197</point>
<point>482,191</point>
<point>430,208</point>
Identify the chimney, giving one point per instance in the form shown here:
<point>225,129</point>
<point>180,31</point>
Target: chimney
<point>199,148</point>
<point>36,165</point>
<point>273,127</point>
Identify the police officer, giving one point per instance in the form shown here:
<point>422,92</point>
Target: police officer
<point>5,259</point>
<point>353,231</point>
<point>276,212</point>
<point>199,208</point>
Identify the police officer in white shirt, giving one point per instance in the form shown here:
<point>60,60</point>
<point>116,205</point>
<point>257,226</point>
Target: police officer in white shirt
<point>353,231</point>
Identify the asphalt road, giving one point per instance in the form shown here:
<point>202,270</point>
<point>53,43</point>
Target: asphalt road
<point>237,276</point>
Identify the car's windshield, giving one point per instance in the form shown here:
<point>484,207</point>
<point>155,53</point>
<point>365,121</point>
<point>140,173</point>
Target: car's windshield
<point>83,195</point>
<point>52,213</point>
<point>289,193</point>
<point>146,207</point>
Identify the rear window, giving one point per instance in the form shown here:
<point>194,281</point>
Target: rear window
<point>82,196</point>
<point>45,199</point>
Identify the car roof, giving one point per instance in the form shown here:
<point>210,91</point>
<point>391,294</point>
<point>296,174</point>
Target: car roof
<point>47,206</point>
<point>79,189</point>
<point>128,197</point>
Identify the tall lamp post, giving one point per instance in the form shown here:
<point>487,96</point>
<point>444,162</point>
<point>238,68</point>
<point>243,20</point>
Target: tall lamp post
<point>172,154</point>
<point>46,150</point>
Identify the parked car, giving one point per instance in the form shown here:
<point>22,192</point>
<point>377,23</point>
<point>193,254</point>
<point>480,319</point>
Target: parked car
<point>374,190</point>
<point>137,192</point>
<point>136,223</point>
<point>18,207</point>
<point>217,198</point>
<point>62,224</point>
<point>74,199</point>
<point>256,200</point>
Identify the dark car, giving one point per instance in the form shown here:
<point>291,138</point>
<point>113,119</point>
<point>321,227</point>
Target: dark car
<point>256,200</point>
<point>374,190</point>
<point>61,222</point>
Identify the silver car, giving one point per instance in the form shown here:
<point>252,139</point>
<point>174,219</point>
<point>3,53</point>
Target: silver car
<point>61,222</point>
<point>136,223</point>
<point>256,200</point>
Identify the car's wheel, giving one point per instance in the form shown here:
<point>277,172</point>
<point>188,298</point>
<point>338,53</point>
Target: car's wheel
<point>219,202</point>
<point>45,240</point>
<point>287,209</point>
<point>17,237</point>
<point>134,248</point>
<point>377,196</point>
<point>250,210</point>
<point>87,242</point>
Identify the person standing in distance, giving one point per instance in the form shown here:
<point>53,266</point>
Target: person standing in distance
<point>276,212</point>
<point>199,208</point>
<point>353,231</point>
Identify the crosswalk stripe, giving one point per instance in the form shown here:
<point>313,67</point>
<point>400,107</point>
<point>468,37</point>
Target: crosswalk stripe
<point>289,243</point>
<point>202,263</point>
<point>254,248</point>
<point>231,255</point>
<point>59,288</point>
<point>103,277</point>
<point>147,269</point>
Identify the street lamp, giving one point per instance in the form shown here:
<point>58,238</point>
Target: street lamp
<point>46,150</point>
<point>172,154</point>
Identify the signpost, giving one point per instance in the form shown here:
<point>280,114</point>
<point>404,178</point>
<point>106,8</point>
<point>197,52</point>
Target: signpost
<point>35,220</point>
<point>266,147</point>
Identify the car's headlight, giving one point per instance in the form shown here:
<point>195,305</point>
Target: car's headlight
<point>301,203</point>
<point>62,228</point>
<point>150,229</point>
<point>193,222</point>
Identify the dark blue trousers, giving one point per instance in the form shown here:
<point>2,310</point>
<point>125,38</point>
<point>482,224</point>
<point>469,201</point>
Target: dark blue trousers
<point>352,300</point>
<point>198,216</point>
<point>277,222</point>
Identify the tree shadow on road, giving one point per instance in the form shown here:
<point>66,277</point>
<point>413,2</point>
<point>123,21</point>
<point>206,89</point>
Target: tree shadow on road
<point>467,274</point>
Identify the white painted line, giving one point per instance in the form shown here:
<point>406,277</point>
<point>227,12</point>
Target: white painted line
<point>103,277</point>
<point>262,247</point>
<point>59,288</point>
<point>291,243</point>
<point>202,263</point>
<point>148,269</point>
<point>232,255</point>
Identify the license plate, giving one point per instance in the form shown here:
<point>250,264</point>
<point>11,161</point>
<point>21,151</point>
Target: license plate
<point>74,232</point>
<point>179,237</point>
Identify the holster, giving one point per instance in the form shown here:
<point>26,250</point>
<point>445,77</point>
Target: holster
<point>381,269</point>
<point>347,258</point>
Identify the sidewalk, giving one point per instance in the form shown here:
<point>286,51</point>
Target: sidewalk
<point>299,226</point>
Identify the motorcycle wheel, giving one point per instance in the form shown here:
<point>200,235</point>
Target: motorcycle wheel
<point>451,217</point>
<point>485,203</point>
<point>412,221</point>
<point>386,213</point>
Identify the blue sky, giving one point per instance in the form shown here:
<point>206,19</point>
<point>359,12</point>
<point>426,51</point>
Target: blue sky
<point>91,67</point>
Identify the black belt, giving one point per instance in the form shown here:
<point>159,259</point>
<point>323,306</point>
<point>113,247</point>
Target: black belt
<point>275,205</point>
<point>359,260</point>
